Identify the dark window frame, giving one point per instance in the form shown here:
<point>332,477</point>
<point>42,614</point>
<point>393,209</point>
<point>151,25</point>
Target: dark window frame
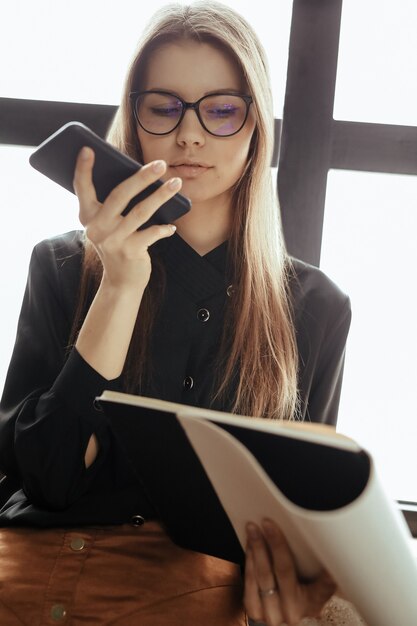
<point>312,142</point>
<point>309,141</point>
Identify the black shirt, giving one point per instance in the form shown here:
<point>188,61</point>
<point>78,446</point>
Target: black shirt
<point>47,412</point>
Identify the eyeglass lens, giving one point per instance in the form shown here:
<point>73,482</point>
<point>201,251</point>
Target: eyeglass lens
<point>221,114</point>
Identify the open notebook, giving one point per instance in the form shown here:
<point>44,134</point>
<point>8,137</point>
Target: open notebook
<point>209,473</point>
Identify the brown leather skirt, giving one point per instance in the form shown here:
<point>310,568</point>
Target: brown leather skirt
<point>113,575</point>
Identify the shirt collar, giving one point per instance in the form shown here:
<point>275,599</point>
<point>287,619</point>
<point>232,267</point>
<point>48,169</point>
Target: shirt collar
<point>200,276</point>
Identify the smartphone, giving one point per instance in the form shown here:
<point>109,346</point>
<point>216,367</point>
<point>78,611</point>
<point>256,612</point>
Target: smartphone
<point>57,155</point>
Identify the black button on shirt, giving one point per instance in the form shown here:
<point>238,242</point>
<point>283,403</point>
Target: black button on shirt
<point>203,315</point>
<point>188,382</point>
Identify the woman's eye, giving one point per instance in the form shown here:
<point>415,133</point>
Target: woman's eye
<point>222,112</point>
<point>165,111</point>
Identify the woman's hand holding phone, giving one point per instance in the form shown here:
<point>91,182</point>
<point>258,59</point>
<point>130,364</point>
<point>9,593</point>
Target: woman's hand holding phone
<point>105,335</point>
<point>122,248</point>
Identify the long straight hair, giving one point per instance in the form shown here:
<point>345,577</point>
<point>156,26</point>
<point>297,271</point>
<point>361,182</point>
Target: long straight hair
<point>259,350</point>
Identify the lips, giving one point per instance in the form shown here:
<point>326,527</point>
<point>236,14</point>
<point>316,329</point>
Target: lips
<point>190,169</point>
<point>190,163</point>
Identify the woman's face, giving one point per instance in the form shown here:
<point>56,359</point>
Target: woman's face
<point>209,166</point>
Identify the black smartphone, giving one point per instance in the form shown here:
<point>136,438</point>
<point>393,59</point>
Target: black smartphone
<point>57,155</point>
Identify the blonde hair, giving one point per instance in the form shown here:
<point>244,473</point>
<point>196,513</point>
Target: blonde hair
<point>262,349</point>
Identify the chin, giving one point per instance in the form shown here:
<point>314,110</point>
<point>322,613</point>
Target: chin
<point>198,193</point>
<point>195,195</point>
<point>199,200</point>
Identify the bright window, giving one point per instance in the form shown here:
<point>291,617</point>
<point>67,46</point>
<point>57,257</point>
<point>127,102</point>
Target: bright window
<point>377,64</point>
<point>32,208</point>
<point>79,51</point>
<point>369,240</point>
<point>369,249</point>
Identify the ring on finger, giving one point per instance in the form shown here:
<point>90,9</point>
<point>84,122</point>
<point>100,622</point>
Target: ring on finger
<point>264,593</point>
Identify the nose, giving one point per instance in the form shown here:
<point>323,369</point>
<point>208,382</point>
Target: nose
<point>190,131</point>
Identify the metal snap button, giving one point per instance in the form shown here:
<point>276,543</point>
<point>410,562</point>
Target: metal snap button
<point>230,290</point>
<point>77,544</point>
<point>188,382</point>
<point>203,315</point>
<point>137,520</point>
<point>58,612</point>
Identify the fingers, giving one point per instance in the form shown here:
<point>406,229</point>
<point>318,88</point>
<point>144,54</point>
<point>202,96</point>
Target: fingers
<point>121,246</point>
<point>267,591</point>
<point>155,233</point>
<point>284,569</point>
<point>273,592</point>
<point>252,600</point>
<point>106,219</point>
<point>121,195</point>
<point>144,210</point>
<point>83,184</point>
<point>315,593</point>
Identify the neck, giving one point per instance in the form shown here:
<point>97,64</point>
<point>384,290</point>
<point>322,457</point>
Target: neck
<point>206,226</point>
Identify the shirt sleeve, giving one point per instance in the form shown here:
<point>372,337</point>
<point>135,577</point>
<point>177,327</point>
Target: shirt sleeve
<point>47,413</point>
<point>322,315</point>
<point>324,397</point>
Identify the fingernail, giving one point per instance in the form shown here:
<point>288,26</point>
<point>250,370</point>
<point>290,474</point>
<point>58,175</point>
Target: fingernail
<point>269,527</point>
<point>174,183</point>
<point>158,167</point>
<point>85,153</point>
<point>252,531</point>
<point>173,228</point>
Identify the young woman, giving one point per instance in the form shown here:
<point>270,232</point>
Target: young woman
<point>210,311</point>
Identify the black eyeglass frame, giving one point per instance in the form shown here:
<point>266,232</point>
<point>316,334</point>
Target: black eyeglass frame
<point>135,95</point>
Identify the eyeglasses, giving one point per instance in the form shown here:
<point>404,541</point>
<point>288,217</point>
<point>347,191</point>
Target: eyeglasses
<point>220,114</point>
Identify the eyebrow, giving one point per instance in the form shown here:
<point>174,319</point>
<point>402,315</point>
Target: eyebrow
<point>225,91</point>
<point>207,93</point>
